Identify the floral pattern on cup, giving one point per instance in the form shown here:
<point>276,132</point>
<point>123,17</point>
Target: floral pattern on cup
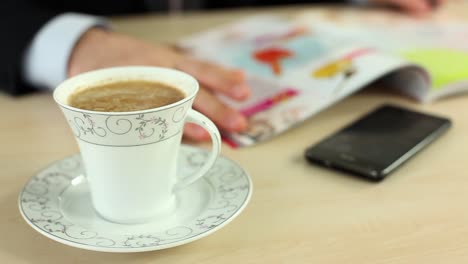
<point>129,130</point>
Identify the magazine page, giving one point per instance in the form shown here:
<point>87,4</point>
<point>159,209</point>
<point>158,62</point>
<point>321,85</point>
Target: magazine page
<point>437,43</point>
<point>294,71</point>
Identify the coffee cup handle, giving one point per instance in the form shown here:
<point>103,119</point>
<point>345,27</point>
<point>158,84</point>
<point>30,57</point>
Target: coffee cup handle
<point>201,120</point>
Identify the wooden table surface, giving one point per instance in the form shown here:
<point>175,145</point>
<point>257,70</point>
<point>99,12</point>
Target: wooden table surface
<point>298,213</point>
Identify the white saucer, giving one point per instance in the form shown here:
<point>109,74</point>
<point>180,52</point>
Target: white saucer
<point>56,203</point>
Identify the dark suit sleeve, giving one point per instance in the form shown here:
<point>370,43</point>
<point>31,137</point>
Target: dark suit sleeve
<point>19,22</point>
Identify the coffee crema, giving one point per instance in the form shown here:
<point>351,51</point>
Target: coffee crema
<point>125,96</point>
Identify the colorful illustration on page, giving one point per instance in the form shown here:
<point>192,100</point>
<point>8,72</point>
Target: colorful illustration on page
<point>281,37</point>
<point>343,67</point>
<point>446,66</point>
<point>272,57</point>
<point>266,125</point>
<point>274,54</point>
<point>269,102</point>
<point>260,129</point>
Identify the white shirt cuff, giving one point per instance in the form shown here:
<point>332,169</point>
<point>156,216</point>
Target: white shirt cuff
<point>45,62</point>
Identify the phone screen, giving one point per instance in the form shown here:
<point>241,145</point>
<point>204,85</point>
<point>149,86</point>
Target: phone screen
<point>379,142</point>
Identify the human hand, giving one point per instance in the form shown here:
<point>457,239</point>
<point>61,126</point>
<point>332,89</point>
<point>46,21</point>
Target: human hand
<point>414,7</point>
<point>98,48</point>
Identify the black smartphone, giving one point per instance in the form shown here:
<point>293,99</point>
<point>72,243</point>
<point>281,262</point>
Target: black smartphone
<point>378,143</point>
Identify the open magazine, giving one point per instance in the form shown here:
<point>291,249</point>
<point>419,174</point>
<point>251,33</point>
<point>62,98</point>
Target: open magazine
<point>296,68</point>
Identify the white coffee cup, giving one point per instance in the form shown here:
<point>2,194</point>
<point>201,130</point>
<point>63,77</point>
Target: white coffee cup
<point>130,158</point>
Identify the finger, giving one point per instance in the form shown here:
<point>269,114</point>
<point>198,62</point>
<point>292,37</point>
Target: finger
<point>437,3</point>
<point>413,6</point>
<point>195,132</point>
<point>416,7</point>
<point>433,4</point>
<point>216,78</point>
<point>225,117</point>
